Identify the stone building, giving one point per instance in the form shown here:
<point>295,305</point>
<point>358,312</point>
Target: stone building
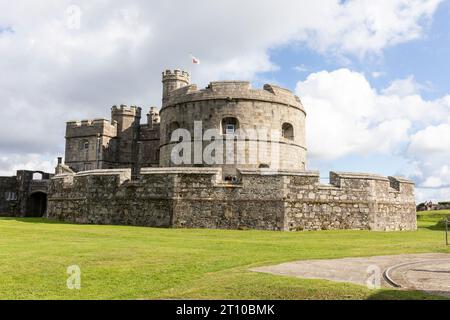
<point>120,171</point>
<point>25,194</point>
<point>229,107</point>
<point>117,143</point>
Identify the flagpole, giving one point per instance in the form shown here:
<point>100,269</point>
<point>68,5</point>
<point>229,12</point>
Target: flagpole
<point>190,65</point>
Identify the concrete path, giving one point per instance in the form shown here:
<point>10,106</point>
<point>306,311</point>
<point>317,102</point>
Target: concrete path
<point>427,272</point>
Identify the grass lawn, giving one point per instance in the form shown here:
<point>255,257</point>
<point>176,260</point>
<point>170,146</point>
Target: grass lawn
<point>120,262</point>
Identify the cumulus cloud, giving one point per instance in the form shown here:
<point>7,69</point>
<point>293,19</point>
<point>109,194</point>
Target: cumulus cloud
<point>378,74</point>
<point>431,140</point>
<point>430,148</point>
<point>346,116</point>
<point>54,70</point>
<point>433,194</point>
<point>403,87</point>
<point>11,163</point>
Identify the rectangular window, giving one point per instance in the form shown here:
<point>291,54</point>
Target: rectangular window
<point>230,129</point>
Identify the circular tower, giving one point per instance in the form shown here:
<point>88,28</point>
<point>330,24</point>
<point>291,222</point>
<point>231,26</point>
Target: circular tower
<point>258,128</point>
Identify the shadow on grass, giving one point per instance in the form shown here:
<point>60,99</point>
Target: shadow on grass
<point>438,226</point>
<point>34,220</point>
<point>396,294</point>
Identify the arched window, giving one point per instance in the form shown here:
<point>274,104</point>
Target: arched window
<point>288,131</point>
<point>171,128</point>
<point>229,125</point>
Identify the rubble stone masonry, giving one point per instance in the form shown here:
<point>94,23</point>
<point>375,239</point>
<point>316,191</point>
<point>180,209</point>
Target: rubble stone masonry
<point>198,198</point>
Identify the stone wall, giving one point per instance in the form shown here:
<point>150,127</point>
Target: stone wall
<point>351,201</point>
<point>123,142</point>
<point>149,145</point>
<point>109,197</point>
<point>90,144</point>
<point>254,109</point>
<point>16,192</point>
<point>198,198</point>
<point>105,144</point>
<point>8,196</point>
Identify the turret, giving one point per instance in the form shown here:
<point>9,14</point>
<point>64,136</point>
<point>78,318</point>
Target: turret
<point>153,117</point>
<point>125,117</point>
<point>128,124</point>
<point>173,80</point>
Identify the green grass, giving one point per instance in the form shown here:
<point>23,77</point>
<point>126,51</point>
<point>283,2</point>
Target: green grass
<point>119,262</point>
<point>433,219</point>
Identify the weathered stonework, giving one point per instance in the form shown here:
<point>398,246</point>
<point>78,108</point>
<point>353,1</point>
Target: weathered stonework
<point>24,194</point>
<point>267,109</point>
<point>120,171</point>
<point>8,196</point>
<point>198,198</point>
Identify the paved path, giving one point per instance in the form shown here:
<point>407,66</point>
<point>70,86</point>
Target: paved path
<point>427,272</point>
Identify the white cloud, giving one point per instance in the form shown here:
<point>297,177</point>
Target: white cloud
<point>367,26</point>
<point>430,148</point>
<point>378,74</point>
<point>301,68</point>
<point>431,140</point>
<point>435,195</point>
<point>52,73</point>
<point>13,162</point>
<point>346,116</point>
<point>403,87</point>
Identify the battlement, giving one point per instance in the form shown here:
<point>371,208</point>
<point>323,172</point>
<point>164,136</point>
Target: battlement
<point>89,123</point>
<point>229,90</point>
<point>344,181</point>
<point>219,86</point>
<point>94,127</point>
<point>122,174</point>
<point>279,91</point>
<point>176,74</point>
<point>259,199</point>
<point>126,110</point>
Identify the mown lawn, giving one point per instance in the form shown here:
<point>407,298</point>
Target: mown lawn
<point>120,262</point>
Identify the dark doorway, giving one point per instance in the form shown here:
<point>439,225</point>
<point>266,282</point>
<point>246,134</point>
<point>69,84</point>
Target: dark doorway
<point>37,205</point>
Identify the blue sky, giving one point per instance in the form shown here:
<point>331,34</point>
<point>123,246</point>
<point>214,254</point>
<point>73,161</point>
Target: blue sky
<point>372,75</point>
<point>426,58</point>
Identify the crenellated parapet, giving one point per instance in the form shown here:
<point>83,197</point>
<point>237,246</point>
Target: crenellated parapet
<point>94,127</point>
<point>233,90</point>
<point>275,112</point>
<point>176,74</point>
<point>124,110</point>
<point>258,199</point>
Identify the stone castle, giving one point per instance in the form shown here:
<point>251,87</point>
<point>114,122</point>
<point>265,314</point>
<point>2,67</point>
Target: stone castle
<point>120,171</point>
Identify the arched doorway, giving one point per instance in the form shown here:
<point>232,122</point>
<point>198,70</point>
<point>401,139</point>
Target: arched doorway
<point>37,204</point>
